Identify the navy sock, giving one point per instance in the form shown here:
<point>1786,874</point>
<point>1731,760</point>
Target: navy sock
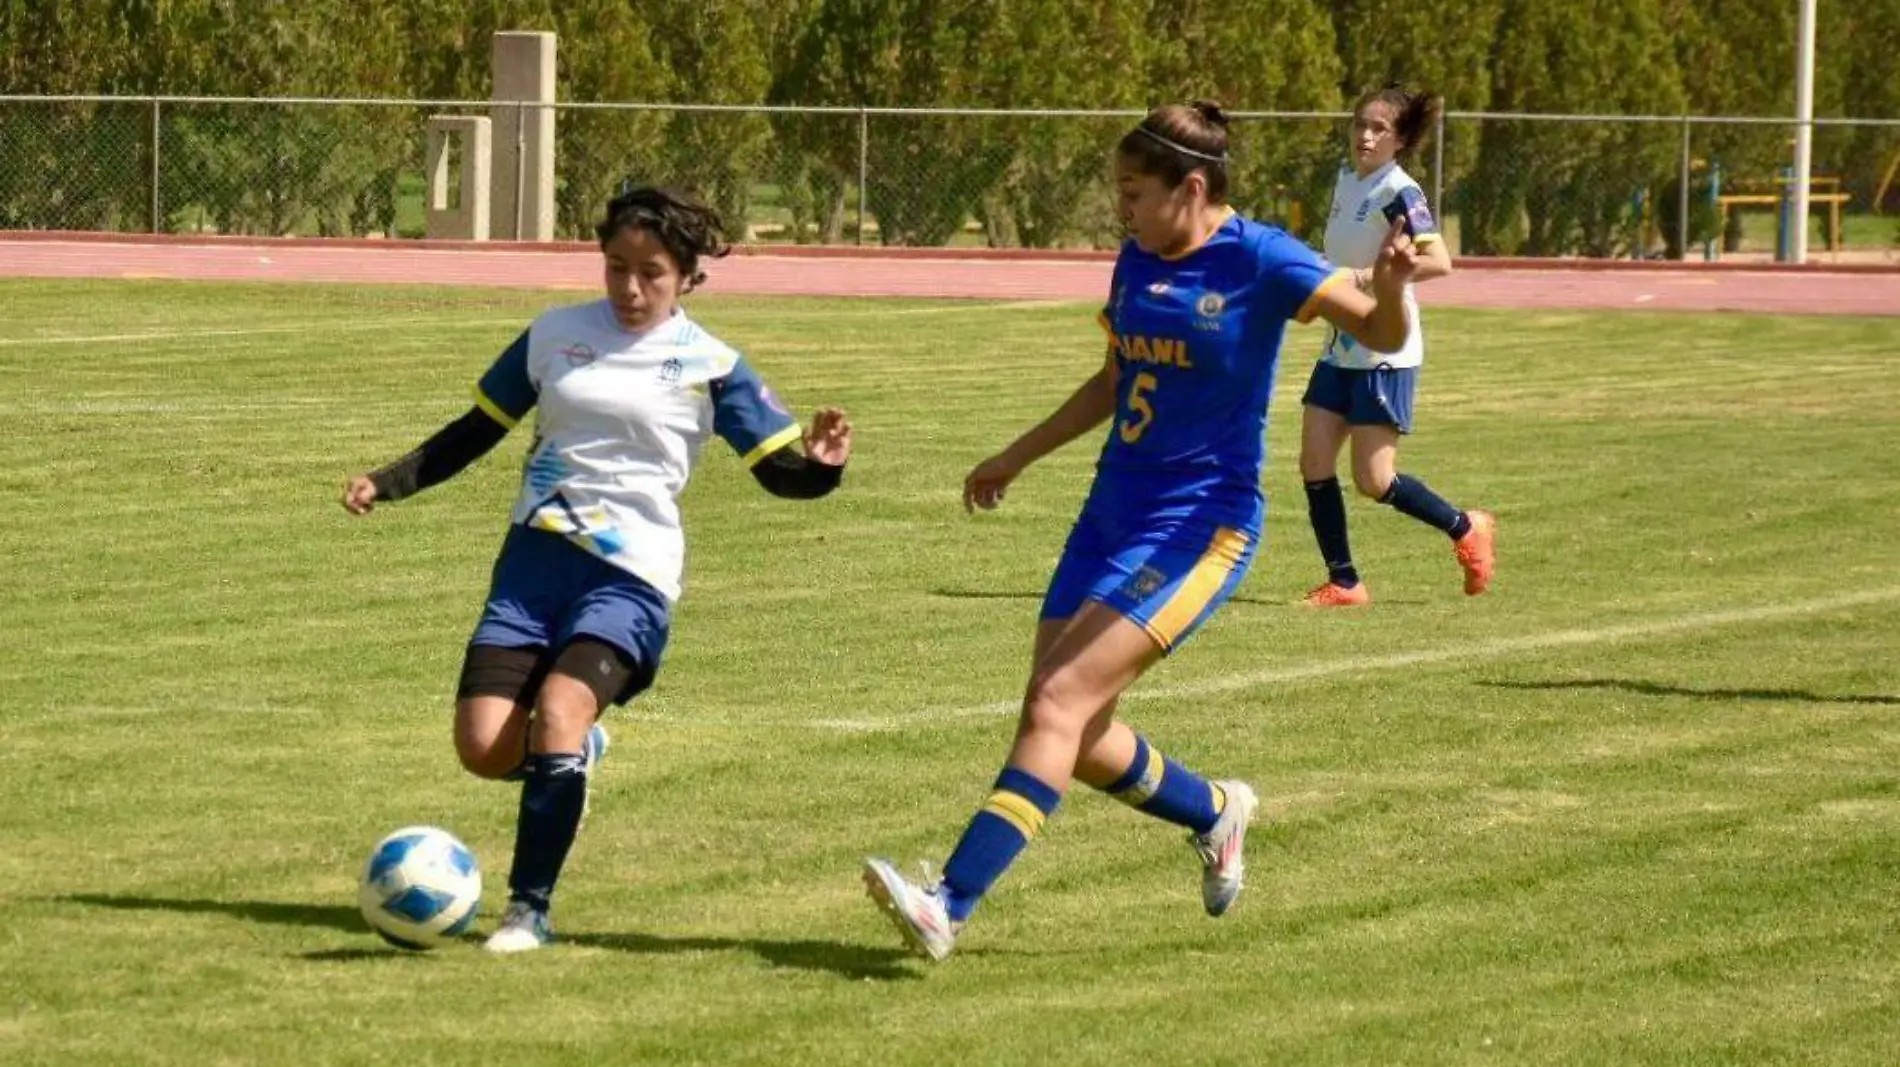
<point>1163,788</point>
<point>1326,507</point>
<point>550,815</point>
<point>1413,497</point>
<point>996,835</point>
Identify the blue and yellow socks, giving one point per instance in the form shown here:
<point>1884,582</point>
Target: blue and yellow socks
<point>1163,788</point>
<point>1012,816</point>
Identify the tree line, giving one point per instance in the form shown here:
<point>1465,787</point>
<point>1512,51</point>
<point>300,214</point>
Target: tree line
<point>1516,186</point>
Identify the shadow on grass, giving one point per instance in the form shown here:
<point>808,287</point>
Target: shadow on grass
<point>835,957</point>
<point>1658,689</point>
<point>326,916</point>
<point>1005,594</point>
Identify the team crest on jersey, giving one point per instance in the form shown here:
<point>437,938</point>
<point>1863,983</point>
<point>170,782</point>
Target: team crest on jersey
<point>1207,311</point>
<point>579,354</point>
<point>670,371</point>
<point>1144,583</point>
<point>1365,208</point>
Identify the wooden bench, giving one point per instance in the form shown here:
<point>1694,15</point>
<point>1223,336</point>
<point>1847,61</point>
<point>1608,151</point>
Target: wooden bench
<point>1833,201</point>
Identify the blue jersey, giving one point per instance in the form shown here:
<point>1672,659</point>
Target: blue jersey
<point>1194,341</point>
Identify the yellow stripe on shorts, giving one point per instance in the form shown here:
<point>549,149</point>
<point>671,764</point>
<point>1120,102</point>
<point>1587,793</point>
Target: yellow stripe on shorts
<point>1198,590</point>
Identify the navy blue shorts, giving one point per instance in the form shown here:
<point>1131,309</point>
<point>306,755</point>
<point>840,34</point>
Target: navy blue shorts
<point>547,591</point>
<point>1166,577</point>
<point>1381,396</point>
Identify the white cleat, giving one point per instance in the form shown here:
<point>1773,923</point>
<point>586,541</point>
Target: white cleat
<point>523,929</point>
<point>918,913</point>
<point>1222,849</point>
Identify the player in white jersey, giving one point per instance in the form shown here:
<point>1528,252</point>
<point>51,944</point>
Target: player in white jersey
<point>626,389</point>
<point>1364,395</point>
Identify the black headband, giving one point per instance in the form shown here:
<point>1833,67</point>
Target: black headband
<point>1181,148</point>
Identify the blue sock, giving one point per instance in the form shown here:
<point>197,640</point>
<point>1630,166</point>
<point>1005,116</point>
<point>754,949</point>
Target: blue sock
<point>996,835</point>
<point>1413,497</point>
<point>550,815</point>
<point>1326,507</point>
<point>1163,788</point>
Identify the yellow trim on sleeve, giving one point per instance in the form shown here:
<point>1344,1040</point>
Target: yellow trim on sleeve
<point>492,409</point>
<point>1197,590</point>
<point>1311,307</point>
<point>1101,319</point>
<point>772,444</point>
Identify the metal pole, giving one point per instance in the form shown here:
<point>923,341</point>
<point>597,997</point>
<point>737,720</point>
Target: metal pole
<point>864,167</point>
<point>521,164</point>
<point>1438,170</point>
<point>156,151</point>
<point>1682,198</point>
<point>1803,131</point>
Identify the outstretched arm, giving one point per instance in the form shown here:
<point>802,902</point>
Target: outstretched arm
<point>1088,407</point>
<point>444,455</point>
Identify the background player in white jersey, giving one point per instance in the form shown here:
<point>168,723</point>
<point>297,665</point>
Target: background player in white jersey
<point>1366,395</point>
<point>628,389</point>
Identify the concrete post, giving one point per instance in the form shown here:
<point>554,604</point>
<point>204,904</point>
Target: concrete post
<point>523,173</point>
<point>466,218</point>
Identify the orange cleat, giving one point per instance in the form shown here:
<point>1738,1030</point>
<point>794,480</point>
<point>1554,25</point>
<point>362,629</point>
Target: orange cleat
<point>1477,551</point>
<point>1333,595</point>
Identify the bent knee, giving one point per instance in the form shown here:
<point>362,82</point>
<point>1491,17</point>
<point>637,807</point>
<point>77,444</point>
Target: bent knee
<point>1056,702</point>
<point>489,758</point>
<point>490,736</point>
<point>1317,468</point>
<point>1370,484</point>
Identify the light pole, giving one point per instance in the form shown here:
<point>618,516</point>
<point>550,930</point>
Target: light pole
<point>1803,131</point>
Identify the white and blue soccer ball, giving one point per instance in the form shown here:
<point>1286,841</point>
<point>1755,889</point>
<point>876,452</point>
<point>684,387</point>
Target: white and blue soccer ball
<point>421,888</point>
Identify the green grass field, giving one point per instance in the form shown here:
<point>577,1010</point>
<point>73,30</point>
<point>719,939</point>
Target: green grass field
<point>1639,805</point>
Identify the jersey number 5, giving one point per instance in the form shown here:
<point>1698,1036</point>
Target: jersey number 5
<point>1142,412</point>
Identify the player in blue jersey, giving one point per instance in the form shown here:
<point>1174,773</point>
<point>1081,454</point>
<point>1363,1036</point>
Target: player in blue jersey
<point>1363,393</point>
<point>1199,300</point>
<point>626,389</point>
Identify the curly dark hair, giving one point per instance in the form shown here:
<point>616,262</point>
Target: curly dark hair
<point>689,230</point>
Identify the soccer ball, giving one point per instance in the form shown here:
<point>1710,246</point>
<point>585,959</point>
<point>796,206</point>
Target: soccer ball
<point>421,888</point>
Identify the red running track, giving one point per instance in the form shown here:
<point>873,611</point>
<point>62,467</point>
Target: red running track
<point>915,273</point>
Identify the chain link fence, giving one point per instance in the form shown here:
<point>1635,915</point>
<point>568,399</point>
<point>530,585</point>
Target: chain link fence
<point>1504,184</point>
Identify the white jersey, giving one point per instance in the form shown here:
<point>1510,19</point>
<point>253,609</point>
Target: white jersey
<point>1363,209</point>
<point>621,418</point>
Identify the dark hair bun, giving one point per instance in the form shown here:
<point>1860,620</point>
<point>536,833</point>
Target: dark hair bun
<point>1211,111</point>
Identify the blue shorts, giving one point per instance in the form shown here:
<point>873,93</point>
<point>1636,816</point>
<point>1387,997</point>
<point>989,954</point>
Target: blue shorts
<point>547,591</point>
<point>1166,576</point>
<point>1381,396</point>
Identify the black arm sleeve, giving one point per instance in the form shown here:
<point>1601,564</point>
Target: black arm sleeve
<point>795,476</point>
<point>441,457</point>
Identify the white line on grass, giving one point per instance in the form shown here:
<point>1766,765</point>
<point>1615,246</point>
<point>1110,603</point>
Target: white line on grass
<point>447,320</point>
<point>327,326</point>
<point>1335,668</point>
